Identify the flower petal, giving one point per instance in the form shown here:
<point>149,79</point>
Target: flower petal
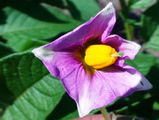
<point>102,23</point>
<point>62,65</point>
<point>77,82</point>
<point>46,56</point>
<point>105,86</point>
<point>129,48</point>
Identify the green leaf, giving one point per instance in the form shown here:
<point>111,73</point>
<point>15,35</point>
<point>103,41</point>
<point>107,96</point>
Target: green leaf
<point>85,9</point>
<point>33,94</point>
<point>153,43</point>
<point>142,4</point>
<point>68,113</point>
<point>36,92</point>
<point>69,116</point>
<point>126,105</point>
<point>20,71</point>
<point>156,110</point>
<point>37,101</point>
<point>143,62</point>
<point>24,45</point>
<point>4,50</point>
<point>150,27</point>
<point>153,76</point>
<point>148,30</point>
<point>22,27</point>
<point>131,2</point>
<point>156,106</point>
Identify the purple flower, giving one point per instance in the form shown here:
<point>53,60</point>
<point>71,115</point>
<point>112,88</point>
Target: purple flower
<point>89,63</point>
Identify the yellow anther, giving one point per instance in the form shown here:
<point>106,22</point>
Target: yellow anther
<point>100,56</point>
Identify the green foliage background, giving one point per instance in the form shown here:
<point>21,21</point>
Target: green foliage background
<point>29,92</point>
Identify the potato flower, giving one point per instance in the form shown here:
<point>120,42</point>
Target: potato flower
<point>90,63</point>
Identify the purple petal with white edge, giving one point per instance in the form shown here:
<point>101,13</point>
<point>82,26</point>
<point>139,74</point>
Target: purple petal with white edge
<point>106,86</point>
<point>103,22</point>
<point>46,56</point>
<point>129,48</point>
<point>56,62</point>
<point>62,65</point>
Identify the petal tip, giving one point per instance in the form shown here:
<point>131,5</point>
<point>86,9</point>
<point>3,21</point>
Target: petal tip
<point>149,86</point>
<point>43,53</point>
<point>144,83</point>
<point>138,46</point>
<point>36,52</point>
<point>109,9</point>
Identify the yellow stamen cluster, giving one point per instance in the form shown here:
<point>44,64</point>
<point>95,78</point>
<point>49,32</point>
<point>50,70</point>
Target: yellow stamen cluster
<point>99,56</point>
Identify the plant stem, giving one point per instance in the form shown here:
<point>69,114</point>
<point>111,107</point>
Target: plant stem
<point>105,113</point>
<point>128,30</point>
<point>124,14</point>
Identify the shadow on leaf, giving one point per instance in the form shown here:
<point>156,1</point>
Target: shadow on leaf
<point>66,106</point>
<point>34,9</point>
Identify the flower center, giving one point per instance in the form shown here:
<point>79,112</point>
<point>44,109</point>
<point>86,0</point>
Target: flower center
<point>99,56</point>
